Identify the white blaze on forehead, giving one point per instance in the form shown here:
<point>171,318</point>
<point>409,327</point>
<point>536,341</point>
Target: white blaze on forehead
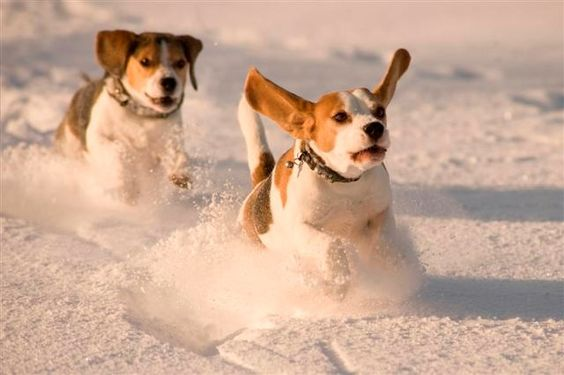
<point>154,86</point>
<point>363,95</point>
<point>165,56</point>
<point>357,102</point>
<point>357,105</point>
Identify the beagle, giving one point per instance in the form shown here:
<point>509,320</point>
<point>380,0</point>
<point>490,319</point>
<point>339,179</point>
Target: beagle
<point>129,121</point>
<point>328,198</point>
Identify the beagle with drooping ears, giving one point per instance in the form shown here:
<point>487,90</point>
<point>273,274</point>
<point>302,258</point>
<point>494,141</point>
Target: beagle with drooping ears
<point>328,198</point>
<point>129,121</point>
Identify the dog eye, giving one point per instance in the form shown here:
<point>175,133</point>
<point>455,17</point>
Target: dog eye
<point>379,112</point>
<point>340,116</point>
<point>145,62</point>
<point>180,64</point>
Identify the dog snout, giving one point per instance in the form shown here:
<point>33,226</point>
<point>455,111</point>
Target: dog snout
<point>168,84</point>
<point>374,130</point>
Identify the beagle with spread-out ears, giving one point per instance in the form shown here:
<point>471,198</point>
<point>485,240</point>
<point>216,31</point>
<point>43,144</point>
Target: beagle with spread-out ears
<point>328,198</point>
<point>129,121</point>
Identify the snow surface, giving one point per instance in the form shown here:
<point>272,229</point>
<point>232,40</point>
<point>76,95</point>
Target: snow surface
<point>91,285</point>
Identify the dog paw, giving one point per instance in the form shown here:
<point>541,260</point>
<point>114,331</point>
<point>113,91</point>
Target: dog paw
<point>181,180</point>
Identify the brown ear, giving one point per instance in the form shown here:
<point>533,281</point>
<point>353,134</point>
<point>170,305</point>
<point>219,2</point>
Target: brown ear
<point>292,113</point>
<point>192,48</point>
<point>113,49</point>
<point>386,88</point>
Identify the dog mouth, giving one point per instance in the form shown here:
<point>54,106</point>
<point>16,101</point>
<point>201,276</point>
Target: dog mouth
<point>369,154</point>
<point>163,101</point>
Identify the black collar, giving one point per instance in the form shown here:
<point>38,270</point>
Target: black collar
<point>119,94</point>
<point>317,164</point>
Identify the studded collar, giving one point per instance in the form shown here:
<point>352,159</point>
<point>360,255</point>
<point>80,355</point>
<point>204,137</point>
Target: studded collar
<point>317,164</point>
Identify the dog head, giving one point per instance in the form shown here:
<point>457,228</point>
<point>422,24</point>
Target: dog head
<point>347,129</point>
<point>152,67</point>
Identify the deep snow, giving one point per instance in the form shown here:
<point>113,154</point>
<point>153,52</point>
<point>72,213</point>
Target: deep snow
<point>477,164</point>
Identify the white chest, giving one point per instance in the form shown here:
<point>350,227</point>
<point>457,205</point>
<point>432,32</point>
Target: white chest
<point>111,121</point>
<point>340,208</point>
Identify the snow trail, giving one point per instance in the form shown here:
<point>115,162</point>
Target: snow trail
<point>191,276</point>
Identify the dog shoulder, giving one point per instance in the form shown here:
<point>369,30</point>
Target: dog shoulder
<point>282,175</point>
<point>261,204</point>
<point>78,115</point>
<point>256,214</point>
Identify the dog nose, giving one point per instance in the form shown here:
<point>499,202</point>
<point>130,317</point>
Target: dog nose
<point>374,130</point>
<point>168,84</point>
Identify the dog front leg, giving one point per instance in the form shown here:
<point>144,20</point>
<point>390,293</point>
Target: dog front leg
<point>388,248</point>
<point>179,175</point>
<point>175,161</point>
<point>328,255</point>
<point>114,167</point>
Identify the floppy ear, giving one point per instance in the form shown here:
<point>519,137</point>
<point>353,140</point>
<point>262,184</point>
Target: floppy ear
<point>292,113</point>
<point>113,49</point>
<point>192,48</point>
<point>384,91</point>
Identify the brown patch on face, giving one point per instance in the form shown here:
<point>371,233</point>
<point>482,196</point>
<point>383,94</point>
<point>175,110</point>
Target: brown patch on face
<point>282,175</point>
<point>144,61</point>
<point>325,129</point>
<point>263,170</point>
<point>147,56</point>
<point>177,59</point>
<point>257,215</point>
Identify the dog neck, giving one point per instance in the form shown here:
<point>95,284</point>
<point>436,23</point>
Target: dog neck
<point>317,165</point>
<point>119,94</point>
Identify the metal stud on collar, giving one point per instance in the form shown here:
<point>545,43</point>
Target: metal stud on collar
<point>299,162</point>
<point>317,165</point>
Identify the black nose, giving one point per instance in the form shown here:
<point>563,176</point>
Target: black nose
<point>168,84</point>
<point>374,130</point>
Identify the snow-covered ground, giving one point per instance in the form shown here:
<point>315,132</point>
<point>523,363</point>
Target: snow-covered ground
<point>477,163</point>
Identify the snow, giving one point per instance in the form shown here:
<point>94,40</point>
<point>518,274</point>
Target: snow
<point>93,285</point>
